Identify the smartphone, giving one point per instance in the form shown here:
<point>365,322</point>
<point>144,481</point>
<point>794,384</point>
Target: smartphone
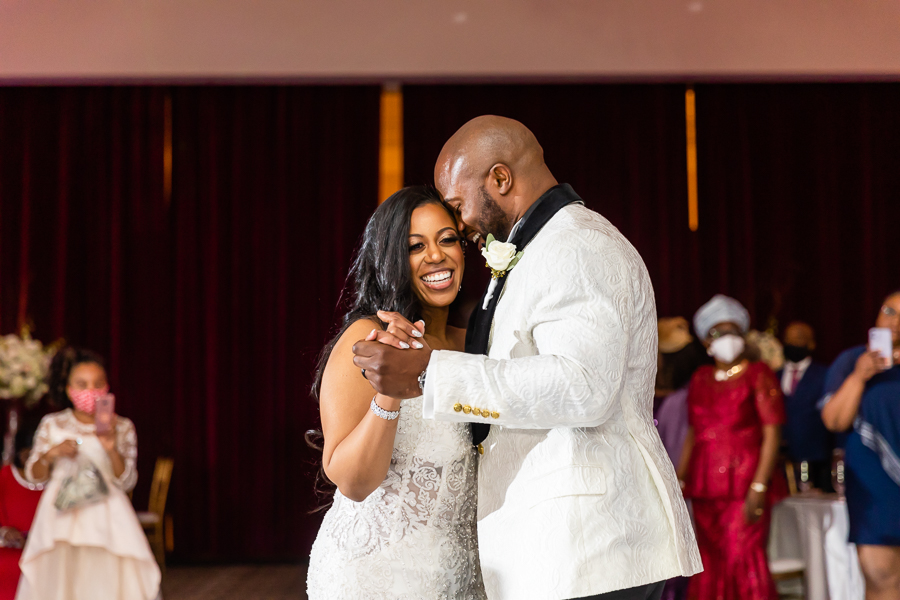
<point>880,341</point>
<point>103,413</point>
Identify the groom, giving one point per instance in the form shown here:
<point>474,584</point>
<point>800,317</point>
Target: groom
<point>577,496</point>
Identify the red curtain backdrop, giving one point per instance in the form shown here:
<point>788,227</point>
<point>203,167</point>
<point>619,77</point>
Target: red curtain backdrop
<point>622,147</point>
<point>798,186</point>
<point>211,308</point>
<point>800,201</point>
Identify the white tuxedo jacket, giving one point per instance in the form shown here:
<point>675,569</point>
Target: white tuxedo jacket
<point>576,494</point>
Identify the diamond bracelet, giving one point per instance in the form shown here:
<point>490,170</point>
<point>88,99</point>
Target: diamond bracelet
<point>388,415</point>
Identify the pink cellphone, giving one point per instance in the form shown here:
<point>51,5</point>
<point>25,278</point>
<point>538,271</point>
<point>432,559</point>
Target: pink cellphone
<point>103,413</point>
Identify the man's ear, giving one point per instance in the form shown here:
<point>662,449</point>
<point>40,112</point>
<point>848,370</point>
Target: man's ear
<point>501,179</point>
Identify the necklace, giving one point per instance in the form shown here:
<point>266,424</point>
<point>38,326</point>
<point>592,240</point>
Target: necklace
<point>34,487</point>
<point>726,375</point>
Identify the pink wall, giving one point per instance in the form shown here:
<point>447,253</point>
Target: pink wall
<point>447,39</point>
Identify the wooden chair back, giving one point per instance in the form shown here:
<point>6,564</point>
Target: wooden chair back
<point>791,477</point>
<point>159,489</point>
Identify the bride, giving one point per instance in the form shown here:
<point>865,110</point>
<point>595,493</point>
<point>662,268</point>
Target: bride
<point>402,525</point>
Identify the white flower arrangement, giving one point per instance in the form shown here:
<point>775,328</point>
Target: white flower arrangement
<point>24,367</point>
<point>768,347</point>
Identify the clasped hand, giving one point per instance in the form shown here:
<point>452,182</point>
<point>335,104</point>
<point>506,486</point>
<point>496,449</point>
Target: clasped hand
<point>393,358</point>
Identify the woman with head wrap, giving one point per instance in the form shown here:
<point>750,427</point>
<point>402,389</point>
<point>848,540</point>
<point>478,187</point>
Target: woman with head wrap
<point>735,412</point>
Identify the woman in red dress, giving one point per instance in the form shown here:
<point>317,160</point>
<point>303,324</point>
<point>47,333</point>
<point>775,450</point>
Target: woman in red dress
<point>735,412</point>
<point>18,503</point>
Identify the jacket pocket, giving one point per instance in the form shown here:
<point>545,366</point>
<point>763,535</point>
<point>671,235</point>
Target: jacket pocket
<point>577,480</point>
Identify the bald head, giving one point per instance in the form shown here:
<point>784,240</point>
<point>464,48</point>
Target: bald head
<point>491,171</point>
<point>486,141</point>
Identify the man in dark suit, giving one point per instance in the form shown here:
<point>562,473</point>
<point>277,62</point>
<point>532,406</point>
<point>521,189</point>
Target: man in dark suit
<point>809,443</point>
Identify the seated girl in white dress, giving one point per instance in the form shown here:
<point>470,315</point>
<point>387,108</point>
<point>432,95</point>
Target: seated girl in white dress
<point>95,550</point>
<point>402,525</point>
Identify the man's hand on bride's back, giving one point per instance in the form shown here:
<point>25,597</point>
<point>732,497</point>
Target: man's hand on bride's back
<point>393,359</point>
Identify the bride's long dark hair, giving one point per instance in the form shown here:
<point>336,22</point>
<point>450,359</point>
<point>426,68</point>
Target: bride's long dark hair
<point>380,278</point>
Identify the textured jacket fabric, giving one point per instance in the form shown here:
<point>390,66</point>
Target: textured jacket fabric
<point>577,495</point>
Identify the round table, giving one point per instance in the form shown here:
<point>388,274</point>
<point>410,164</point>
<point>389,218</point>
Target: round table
<point>814,528</point>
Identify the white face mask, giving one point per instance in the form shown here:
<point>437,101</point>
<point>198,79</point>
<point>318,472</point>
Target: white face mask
<point>727,348</point>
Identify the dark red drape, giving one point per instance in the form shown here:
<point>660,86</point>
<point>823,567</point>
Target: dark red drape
<point>273,187</point>
<point>800,201</point>
<point>797,185</point>
<point>622,147</point>
<point>212,307</point>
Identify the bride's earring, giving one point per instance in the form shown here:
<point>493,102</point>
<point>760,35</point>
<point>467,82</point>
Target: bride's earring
<point>460,288</point>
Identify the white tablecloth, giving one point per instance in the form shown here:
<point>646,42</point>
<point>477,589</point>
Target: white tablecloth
<point>815,528</point>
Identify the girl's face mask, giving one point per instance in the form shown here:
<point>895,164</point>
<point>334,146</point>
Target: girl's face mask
<point>86,400</point>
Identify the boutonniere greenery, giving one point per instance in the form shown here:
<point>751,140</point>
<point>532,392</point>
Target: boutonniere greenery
<point>501,256</point>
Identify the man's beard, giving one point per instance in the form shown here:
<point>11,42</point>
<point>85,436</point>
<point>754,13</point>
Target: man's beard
<point>492,219</point>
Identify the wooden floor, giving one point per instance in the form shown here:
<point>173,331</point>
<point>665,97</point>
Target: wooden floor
<point>252,582</point>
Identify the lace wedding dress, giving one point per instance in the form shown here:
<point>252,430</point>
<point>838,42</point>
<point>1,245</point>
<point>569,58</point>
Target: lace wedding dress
<point>414,537</point>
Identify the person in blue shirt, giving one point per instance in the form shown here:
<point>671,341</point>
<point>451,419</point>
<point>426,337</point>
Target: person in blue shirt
<point>862,393</point>
<point>809,444</point>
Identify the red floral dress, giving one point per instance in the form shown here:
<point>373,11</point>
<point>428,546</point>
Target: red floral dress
<point>18,504</point>
<point>728,419</point>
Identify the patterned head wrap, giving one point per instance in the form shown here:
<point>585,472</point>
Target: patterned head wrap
<point>721,309</point>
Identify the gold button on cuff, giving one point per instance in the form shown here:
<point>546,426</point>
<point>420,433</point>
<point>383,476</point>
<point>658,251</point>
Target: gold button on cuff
<point>476,411</point>
<point>495,414</point>
<point>480,449</point>
<point>467,409</point>
<point>457,407</point>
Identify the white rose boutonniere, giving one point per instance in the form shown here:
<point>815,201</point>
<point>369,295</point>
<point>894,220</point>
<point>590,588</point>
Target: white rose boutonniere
<point>501,256</point>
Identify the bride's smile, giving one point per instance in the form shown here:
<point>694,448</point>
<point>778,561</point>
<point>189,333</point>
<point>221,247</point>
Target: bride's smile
<point>436,255</point>
<point>438,280</point>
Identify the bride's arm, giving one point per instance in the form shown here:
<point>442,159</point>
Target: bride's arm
<point>358,443</point>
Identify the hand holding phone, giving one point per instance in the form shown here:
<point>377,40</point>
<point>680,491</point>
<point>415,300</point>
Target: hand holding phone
<point>103,413</point>
<point>881,341</point>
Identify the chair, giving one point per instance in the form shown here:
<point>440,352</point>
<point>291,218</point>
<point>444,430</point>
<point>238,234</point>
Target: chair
<point>153,521</point>
<point>785,569</point>
<point>791,477</point>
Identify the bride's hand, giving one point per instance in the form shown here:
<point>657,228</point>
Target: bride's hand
<point>399,332</point>
<point>390,339</point>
